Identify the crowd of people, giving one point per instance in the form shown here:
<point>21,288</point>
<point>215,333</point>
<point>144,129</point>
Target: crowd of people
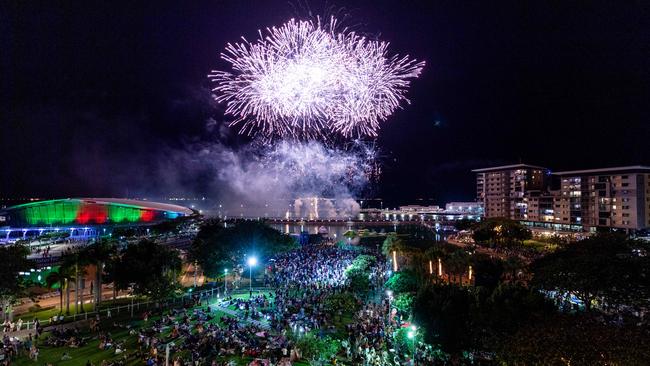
<point>266,327</point>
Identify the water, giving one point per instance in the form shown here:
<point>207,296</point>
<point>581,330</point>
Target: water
<point>336,231</point>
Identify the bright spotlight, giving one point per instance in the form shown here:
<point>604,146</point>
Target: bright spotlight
<point>252,261</point>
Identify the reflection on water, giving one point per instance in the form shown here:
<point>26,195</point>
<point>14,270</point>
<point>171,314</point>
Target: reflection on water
<point>336,232</point>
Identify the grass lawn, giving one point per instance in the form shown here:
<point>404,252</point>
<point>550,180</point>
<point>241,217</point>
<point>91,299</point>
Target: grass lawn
<point>91,352</point>
<point>80,356</point>
<point>539,246</point>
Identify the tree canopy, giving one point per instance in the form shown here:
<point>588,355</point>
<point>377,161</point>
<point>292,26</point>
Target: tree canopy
<point>13,259</point>
<point>576,340</point>
<point>217,247</point>
<point>151,268</point>
<point>605,267</point>
<point>500,231</point>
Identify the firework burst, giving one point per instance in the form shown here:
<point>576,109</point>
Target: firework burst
<point>306,79</point>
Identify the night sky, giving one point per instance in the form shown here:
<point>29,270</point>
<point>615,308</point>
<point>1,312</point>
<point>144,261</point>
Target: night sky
<point>97,96</point>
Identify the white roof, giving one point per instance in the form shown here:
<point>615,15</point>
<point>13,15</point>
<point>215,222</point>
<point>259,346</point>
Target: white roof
<point>606,170</point>
<point>508,167</point>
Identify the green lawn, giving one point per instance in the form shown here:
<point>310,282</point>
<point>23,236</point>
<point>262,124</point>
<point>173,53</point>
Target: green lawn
<point>539,246</point>
<point>92,353</point>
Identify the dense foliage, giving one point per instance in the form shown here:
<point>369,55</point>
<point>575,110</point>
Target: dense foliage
<point>500,232</point>
<point>606,270</point>
<point>13,259</point>
<point>403,281</point>
<point>150,268</point>
<point>576,340</point>
<point>217,247</point>
<point>461,318</point>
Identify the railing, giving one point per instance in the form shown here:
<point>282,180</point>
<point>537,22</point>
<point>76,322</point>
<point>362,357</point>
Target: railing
<point>174,302</point>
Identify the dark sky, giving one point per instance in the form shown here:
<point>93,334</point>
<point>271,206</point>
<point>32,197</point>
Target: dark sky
<point>95,94</point>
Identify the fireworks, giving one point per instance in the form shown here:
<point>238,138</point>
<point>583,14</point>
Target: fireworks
<point>306,79</point>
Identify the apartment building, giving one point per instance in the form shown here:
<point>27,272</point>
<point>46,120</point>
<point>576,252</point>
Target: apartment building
<point>503,189</point>
<point>606,198</point>
<point>579,200</point>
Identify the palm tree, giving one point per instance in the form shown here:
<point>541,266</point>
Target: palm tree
<point>435,253</point>
<point>63,277</point>
<point>99,253</point>
<point>513,265</point>
<point>57,278</point>
<point>73,263</point>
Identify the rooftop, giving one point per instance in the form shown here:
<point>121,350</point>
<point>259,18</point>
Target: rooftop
<point>115,201</point>
<point>508,167</point>
<point>618,169</point>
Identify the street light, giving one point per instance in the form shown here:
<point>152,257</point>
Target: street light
<point>195,264</point>
<point>251,262</point>
<point>411,335</point>
<point>225,282</point>
<point>132,290</point>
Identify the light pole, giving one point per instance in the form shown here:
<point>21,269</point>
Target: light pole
<point>411,335</point>
<point>225,282</point>
<point>251,262</point>
<point>132,290</point>
<point>195,273</point>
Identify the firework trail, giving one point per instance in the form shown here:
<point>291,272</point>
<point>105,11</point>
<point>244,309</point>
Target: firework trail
<point>306,79</point>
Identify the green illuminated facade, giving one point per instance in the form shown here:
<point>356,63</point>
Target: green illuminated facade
<point>83,211</point>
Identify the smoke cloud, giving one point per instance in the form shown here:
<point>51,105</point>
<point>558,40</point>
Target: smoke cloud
<point>291,179</point>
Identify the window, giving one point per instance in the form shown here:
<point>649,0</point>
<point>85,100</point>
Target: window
<point>626,207</point>
<point>625,184</point>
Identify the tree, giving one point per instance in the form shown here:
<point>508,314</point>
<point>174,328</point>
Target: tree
<point>404,302</point>
<point>14,260</point>
<point>317,350</point>
<point>575,340</point>
<point>62,278</point>
<point>604,267</point>
<point>343,302</point>
<point>364,261</point>
<point>487,271</point>
<point>509,307</point>
<point>457,263</point>
<point>150,267</point>
<point>216,248</point>
<point>403,281</point>
<point>468,318</point>
<point>358,278</point>
<point>74,264</point>
<point>500,231</point>
<point>444,313</point>
<point>513,266</point>
<point>98,254</point>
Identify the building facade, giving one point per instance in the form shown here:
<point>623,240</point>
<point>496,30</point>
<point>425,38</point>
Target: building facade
<point>82,217</point>
<point>502,190</point>
<point>580,200</point>
<point>605,198</point>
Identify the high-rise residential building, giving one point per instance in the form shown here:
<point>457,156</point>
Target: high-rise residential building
<point>503,189</point>
<point>580,200</point>
<point>606,198</point>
